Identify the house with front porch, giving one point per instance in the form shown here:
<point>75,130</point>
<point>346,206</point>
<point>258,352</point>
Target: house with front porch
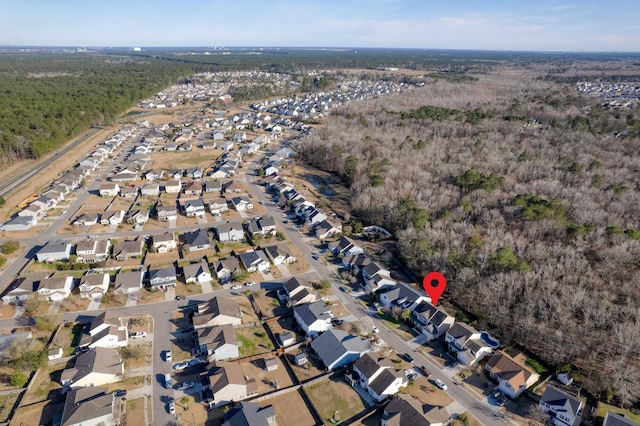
<point>563,409</point>
<point>218,343</point>
<point>376,376</point>
<point>225,383</point>
<point>511,373</point>
<point>162,278</point>
<point>431,321</point>
<point>94,285</point>
<point>197,272</point>
<point>313,318</point>
<point>226,268</point>
<point>128,282</point>
<point>466,343</point>
<point>255,260</point>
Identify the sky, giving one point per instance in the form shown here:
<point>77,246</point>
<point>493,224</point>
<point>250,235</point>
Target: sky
<point>542,25</point>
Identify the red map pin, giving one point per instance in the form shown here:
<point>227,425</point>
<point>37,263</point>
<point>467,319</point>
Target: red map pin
<point>434,284</point>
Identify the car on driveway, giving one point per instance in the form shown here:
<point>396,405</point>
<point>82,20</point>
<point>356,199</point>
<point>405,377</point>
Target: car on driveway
<point>442,385</point>
<point>179,297</point>
<point>180,366</point>
<point>185,385</point>
<point>236,287</point>
<point>172,407</point>
<point>250,283</point>
<point>137,334</point>
<point>496,394</point>
<point>120,393</point>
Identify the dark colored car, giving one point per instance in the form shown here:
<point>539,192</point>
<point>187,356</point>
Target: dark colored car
<point>425,371</point>
<point>179,297</point>
<point>407,357</point>
<point>120,393</point>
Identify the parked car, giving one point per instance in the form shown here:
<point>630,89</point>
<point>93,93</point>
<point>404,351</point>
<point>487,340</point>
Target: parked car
<point>179,297</point>
<point>407,357</point>
<point>425,371</point>
<point>120,393</point>
<point>167,356</point>
<point>185,385</point>
<point>496,394</point>
<point>236,287</point>
<point>172,407</point>
<point>439,383</point>
<point>180,366</point>
<point>375,330</point>
<point>250,283</point>
<point>137,334</point>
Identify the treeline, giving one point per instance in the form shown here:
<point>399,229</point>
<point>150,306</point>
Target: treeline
<point>47,99</point>
<point>533,220</point>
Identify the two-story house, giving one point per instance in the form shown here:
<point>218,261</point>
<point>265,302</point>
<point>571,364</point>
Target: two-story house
<point>511,373</point>
<point>431,321</point>
<point>466,343</point>
<point>314,317</point>
<point>224,383</point>
<point>563,409</point>
<point>378,377</point>
<point>94,285</point>
<point>218,343</point>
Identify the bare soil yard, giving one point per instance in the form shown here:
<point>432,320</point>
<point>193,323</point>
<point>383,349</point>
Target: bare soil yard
<point>335,399</point>
<point>291,410</point>
<point>267,380</point>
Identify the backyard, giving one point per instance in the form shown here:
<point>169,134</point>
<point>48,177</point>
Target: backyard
<point>335,400</point>
<point>253,340</point>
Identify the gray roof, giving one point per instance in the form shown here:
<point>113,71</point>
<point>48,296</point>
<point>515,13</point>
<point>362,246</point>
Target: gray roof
<point>103,360</point>
<point>195,269</point>
<point>249,414</point>
<point>312,312</point>
<point>405,410</point>
<point>56,246</point>
<point>334,344</point>
<point>131,279</point>
<point>368,364</point>
<point>434,315</point>
<point>162,273</point>
<point>558,398</point>
<point>84,404</point>
<point>216,306</point>
<point>198,237</point>
<point>383,380</point>
<point>217,336</point>
<point>403,294</point>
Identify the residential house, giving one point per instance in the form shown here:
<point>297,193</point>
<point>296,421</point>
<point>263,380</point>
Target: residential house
<point>96,367</point>
<point>128,282</point>
<point>213,186</point>
<point>224,383</point>
<point>615,419</point>
<point>154,174</point>
<point>128,191</point>
<point>193,208</point>
<point>218,343</point>
<point>229,232</point>
<point>325,229</point>
<point>34,210</point>
<point>193,188</point>
<point>377,278</point>
<point>166,212</point>
<point>279,255</point>
<point>263,226</point>
<point>232,186</point>
<point>239,137</point>
<point>94,285</point>
<point>173,186</point>
<point>208,145</point>
<point>21,288</point>
<point>197,272</point>
<point>197,240</point>
<point>194,172</point>
<point>254,260</point>
<point>217,311</point>
<point>105,331</point>
<point>19,223</point>
<point>241,203</point>
<point>226,268</point>
<point>54,251</point>
<point>164,243</point>
<point>250,414</point>
<point>162,278</point>
<point>217,206</point>
<point>404,296</point>
<point>45,202</point>
<point>336,348</point>
<point>512,375</point>
<point>128,248</point>
<point>466,342</point>
<point>137,217</point>
<point>431,321</point>
<point>112,217</point>
<point>150,190</point>
<point>405,410</point>
<point>296,292</point>
<point>315,216</point>
<point>345,246</point>
<point>226,146</point>
<point>313,317</point>
<point>86,219</point>
<point>271,168</point>
<point>56,288</point>
<point>377,377</point>
<point>90,406</point>
<point>563,409</point>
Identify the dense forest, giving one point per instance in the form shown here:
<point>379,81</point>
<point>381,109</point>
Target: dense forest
<point>524,193</point>
<point>47,99</point>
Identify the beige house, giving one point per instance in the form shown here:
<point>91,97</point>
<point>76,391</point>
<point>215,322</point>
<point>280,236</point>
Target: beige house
<point>96,367</point>
<point>225,384</point>
<point>217,311</point>
<point>513,376</point>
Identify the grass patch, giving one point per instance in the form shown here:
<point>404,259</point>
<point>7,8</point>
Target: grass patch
<point>133,381</point>
<point>253,340</point>
<point>536,366</point>
<point>335,400</point>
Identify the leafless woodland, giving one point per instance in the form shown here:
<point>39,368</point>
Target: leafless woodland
<point>571,295</point>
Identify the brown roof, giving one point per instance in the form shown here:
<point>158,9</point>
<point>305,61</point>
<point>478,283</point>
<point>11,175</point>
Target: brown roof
<point>505,367</point>
<point>226,373</point>
<point>215,307</point>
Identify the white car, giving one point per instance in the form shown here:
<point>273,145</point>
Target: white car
<point>439,383</point>
<point>375,330</point>
<point>250,283</point>
<point>180,366</point>
<point>236,287</point>
<point>137,334</point>
<point>172,407</point>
